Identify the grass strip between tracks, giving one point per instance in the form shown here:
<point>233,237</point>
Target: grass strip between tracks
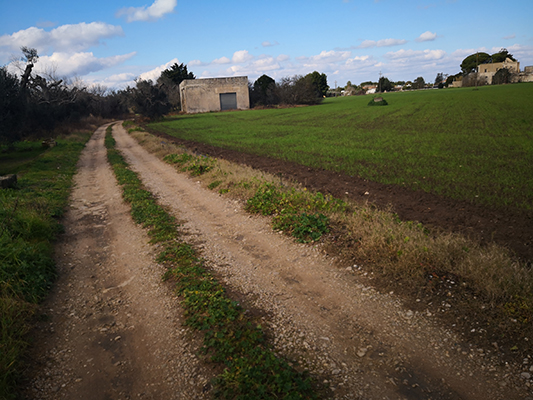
<point>251,369</point>
<point>29,223</point>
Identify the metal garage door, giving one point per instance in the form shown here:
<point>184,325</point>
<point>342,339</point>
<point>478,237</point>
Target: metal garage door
<point>228,101</point>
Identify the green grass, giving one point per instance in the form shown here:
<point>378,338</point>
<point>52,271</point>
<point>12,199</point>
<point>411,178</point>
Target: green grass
<point>251,370</point>
<point>28,226</point>
<point>474,145</point>
<point>14,159</point>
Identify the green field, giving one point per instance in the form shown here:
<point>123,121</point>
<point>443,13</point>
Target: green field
<point>467,144</point>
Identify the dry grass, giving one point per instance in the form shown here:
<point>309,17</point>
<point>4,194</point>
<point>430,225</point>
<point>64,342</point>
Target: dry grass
<point>407,251</point>
<point>380,242</point>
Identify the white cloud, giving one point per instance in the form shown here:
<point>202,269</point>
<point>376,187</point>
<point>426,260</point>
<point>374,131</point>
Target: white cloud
<point>266,43</point>
<point>155,73</point>
<point>282,57</point>
<point>265,64</point>
<point>509,37</point>
<point>116,81</point>
<point>241,56</point>
<point>65,38</point>
<point>329,56</point>
<point>411,55</point>
<point>381,43</point>
<point>522,53</point>
<point>357,60</point>
<point>222,60</point>
<point>157,10</point>
<point>77,64</point>
<point>196,63</point>
<point>426,37</point>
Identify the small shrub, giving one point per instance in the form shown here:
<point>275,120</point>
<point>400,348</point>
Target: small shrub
<point>378,101</point>
<point>305,227</point>
<point>196,165</point>
<point>214,185</point>
<point>179,159</point>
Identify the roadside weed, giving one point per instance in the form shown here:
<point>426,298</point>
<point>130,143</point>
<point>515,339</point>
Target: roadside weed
<point>304,227</point>
<point>196,165</point>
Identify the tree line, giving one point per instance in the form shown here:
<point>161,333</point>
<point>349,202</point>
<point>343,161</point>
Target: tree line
<point>33,105</point>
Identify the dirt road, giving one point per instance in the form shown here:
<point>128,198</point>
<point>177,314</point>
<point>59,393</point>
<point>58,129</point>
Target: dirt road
<point>115,330</point>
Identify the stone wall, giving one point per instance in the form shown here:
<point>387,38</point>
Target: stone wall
<point>204,95</point>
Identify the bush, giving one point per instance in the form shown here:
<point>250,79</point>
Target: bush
<point>378,101</point>
<point>501,76</point>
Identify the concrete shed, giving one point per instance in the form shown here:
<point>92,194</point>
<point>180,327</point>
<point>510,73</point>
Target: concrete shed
<point>214,94</point>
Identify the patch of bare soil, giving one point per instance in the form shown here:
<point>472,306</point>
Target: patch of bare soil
<point>509,227</point>
<point>110,329</point>
<point>114,330</point>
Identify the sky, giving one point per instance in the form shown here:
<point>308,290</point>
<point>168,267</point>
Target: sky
<point>113,42</point>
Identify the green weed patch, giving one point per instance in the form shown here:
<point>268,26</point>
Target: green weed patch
<point>295,212</point>
<point>196,165</point>
<point>251,370</point>
<point>304,227</point>
<point>28,226</point>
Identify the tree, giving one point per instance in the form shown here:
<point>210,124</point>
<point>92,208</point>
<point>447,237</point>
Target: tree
<point>501,76</point>
<point>297,90</point>
<point>30,56</point>
<point>263,91</point>
<point>319,82</point>
<point>177,73</point>
<point>169,82</point>
<point>384,85</point>
<point>451,78</point>
<point>471,62</point>
<point>419,83</point>
<point>12,108</point>
<point>440,79</point>
<point>149,100</point>
<point>501,56</point>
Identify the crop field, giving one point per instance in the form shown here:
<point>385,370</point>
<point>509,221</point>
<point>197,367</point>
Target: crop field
<point>466,144</point>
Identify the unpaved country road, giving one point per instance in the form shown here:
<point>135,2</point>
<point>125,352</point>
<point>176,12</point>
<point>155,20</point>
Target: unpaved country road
<point>115,330</point>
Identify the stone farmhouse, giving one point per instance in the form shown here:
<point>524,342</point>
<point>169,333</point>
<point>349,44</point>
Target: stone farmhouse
<point>214,94</point>
<point>487,71</point>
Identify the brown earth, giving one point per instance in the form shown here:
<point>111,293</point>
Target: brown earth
<point>112,330</point>
<point>510,228</point>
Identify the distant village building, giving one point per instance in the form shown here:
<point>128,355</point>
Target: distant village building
<point>214,94</point>
<point>487,71</point>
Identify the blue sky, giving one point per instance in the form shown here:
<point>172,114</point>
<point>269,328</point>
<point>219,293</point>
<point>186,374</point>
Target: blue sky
<point>113,42</point>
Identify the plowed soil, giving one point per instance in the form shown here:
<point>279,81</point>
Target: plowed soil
<point>113,329</point>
